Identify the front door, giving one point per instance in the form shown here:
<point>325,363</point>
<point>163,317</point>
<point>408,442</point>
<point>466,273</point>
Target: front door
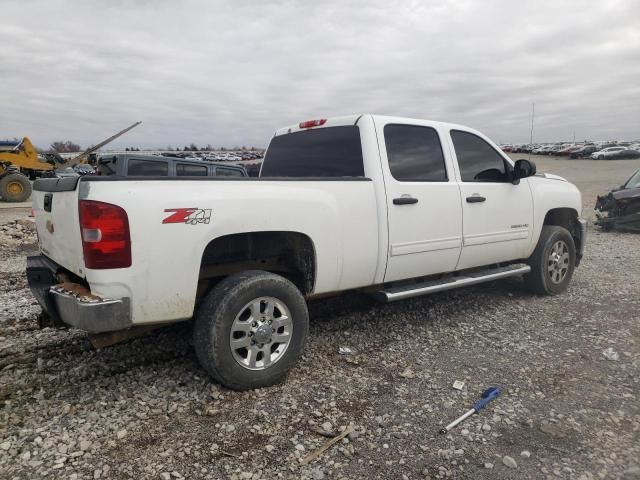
<point>424,211</point>
<point>497,216</point>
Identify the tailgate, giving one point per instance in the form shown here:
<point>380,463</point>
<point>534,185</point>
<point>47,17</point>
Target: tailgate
<point>55,206</point>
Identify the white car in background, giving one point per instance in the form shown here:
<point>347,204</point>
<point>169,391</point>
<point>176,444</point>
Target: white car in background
<point>606,153</point>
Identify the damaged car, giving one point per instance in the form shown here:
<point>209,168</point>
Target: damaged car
<point>620,208</point>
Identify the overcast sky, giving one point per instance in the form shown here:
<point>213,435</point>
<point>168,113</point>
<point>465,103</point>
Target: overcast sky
<point>230,73</point>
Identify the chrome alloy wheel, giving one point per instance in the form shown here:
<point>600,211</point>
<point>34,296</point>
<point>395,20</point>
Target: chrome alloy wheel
<point>261,333</point>
<point>558,262</point>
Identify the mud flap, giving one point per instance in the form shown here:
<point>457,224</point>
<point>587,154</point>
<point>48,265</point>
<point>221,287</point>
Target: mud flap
<point>41,276</point>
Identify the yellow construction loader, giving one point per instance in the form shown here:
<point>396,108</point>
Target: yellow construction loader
<point>19,160</point>
<point>14,156</point>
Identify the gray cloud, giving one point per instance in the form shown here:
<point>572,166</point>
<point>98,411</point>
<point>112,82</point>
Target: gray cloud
<point>232,72</point>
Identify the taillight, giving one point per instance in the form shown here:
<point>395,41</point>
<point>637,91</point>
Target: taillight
<point>313,123</point>
<point>105,235</point>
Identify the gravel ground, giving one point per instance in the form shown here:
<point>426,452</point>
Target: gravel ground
<point>145,408</point>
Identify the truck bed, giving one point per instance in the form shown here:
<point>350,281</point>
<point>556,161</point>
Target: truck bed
<point>166,255</point>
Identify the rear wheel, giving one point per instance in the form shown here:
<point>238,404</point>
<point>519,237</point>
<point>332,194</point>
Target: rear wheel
<point>552,262</point>
<point>251,329</point>
<point>15,187</point>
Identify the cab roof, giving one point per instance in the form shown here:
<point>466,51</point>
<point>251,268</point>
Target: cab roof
<point>353,119</point>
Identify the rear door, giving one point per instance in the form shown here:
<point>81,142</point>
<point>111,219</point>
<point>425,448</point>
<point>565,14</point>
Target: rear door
<point>497,215</point>
<point>424,211</point>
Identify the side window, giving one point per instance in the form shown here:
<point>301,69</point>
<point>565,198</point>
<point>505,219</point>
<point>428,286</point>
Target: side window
<point>148,168</point>
<point>414,153</point>
<point>478,161</point>
<point>228,172</point>
<point>188,170</point>
<point>107,166</point>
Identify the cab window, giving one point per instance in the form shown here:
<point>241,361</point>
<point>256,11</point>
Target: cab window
<point>414,153</point>
<point>148,168</point>
<point>228,172</point>
<point>478,161</point>
<point>321,152</point>
<point>190,170</point>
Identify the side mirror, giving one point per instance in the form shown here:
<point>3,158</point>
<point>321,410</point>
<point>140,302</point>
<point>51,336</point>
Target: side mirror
<point>523,169</point>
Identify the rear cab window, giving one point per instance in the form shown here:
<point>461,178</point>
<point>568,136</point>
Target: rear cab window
<point>322,152</point>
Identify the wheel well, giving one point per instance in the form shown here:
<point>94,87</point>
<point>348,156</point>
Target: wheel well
<point>567,218</point>
<point>290,254</point>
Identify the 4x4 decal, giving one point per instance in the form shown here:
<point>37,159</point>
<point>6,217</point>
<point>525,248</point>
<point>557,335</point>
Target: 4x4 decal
<point>190,216</point>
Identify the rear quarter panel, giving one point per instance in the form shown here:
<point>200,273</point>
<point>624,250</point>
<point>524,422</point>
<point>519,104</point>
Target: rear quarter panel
<point>340,217</point>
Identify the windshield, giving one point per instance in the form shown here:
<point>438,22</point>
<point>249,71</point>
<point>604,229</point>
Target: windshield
<point>634,181</point>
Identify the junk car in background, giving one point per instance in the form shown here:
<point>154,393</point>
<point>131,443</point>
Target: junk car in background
<point>620,208</point>
<point>125,165</point>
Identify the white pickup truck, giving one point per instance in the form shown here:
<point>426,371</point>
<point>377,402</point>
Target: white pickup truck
<point>395,206</point>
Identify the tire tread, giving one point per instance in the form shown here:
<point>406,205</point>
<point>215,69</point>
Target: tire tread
<point>536,280</point>
<point>209,331</point>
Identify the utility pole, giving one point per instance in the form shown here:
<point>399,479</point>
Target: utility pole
<point>533,111</point>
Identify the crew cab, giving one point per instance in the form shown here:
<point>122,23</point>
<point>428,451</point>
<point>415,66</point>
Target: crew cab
<point>393,206</point>
<point>126,164</point>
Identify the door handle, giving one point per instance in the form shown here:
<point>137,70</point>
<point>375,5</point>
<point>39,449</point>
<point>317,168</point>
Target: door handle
<point>48,201</point>
<point>405,200</point>
<point>475,199</point>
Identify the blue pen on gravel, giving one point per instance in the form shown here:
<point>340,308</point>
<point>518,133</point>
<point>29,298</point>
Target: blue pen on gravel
<point>488,395</point>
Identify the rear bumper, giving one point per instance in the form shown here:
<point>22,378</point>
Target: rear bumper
<point>73,304</point>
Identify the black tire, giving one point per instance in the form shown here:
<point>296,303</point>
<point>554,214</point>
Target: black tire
<point>15,187</point>
<point>215,317</point>
<point>540,280</point>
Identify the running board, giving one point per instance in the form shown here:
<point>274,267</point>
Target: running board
<point>465,280</point>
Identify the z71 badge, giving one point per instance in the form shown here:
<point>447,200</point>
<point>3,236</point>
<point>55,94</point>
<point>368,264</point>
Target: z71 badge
<point>190,216</point>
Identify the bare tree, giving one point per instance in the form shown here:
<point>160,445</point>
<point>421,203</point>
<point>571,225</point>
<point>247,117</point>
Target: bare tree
<point>65,147</point>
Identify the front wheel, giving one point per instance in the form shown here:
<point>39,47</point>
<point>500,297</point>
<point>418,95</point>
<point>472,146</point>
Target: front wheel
<point>251,329</point>
<point>553,262</point>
